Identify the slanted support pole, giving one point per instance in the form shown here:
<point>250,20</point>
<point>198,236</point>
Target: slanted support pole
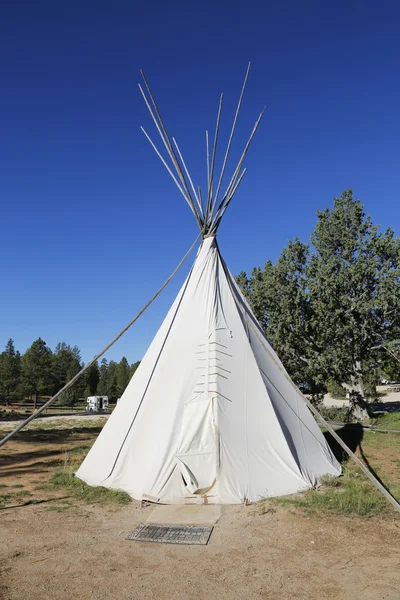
<point>99,355</point>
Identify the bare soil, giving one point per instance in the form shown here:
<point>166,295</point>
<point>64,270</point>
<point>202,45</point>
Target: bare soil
<point>64,549</point>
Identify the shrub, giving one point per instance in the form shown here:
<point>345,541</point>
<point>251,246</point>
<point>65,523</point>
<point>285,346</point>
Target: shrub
<point>338,414</point>
<point>336,390</point>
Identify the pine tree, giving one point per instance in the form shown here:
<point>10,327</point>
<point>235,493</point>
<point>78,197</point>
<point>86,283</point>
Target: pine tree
<point>112,385</point>
<point>103,381</point>
<point>133,368</point>
<point>123,376</point>
<point>66,364</point>
<point>10,373</point>
<point>354,288</point>
<point>326,309</point>
<point>74,393</point>
<point>37,370</point>
<point>92,380</point>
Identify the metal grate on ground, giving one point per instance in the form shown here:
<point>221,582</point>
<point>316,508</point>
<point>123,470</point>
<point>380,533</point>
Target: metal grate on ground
<point>171,534</point>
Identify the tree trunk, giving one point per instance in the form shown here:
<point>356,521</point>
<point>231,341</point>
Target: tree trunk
<point>358,402</point>
<point>34,401</point>
<point>358,406</point>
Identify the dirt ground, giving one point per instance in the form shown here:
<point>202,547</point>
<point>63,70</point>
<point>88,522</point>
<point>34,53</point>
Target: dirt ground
<point>63,549</point>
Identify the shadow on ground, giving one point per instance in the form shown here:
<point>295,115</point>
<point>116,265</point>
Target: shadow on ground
<point>385,407</point>
<point>352,435</point>
<point>55,436</point>
<point>35,457</point>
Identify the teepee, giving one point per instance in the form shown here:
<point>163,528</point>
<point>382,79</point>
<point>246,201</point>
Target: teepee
<point>211,415</point>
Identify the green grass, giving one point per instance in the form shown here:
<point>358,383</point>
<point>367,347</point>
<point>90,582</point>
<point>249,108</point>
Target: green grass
<point>43,486</point>
<point>64,479</point>
<point>387,421</point>
<point>14,497</point>
<point>351,494</point>
<point>373,439</point>
<point>21,493</point>
<point>80,451</point>
<point>64,423</point>
<point>68,423</point>
<point>11,415</point>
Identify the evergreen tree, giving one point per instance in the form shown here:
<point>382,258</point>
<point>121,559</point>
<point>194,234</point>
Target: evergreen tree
<point>112,385</point>
<point>75,392</point>
<point>133,368</point>
<point>66,364</point>
<point>41,372</point>
<point>354,288</point>
<point>2,398</point>
<point>37,370</point>
<point>389,360</point>
<point>10,373</point>
<point>326,309</point>
<point>92,380</point>
<point>102,388</point>
<point>122,375</point>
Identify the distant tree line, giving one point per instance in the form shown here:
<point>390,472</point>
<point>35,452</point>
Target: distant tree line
<point>329,306</point>
<point>42,372</point>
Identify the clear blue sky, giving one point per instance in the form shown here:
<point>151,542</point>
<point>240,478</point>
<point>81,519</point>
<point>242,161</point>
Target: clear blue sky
<point>91,223</point>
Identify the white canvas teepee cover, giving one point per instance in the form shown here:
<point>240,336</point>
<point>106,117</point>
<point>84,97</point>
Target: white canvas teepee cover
<point>211,410</point>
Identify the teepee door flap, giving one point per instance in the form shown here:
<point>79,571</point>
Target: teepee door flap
<point>198,454</point>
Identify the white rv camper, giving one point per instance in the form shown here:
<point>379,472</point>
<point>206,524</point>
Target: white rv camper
<point>96,403</point>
